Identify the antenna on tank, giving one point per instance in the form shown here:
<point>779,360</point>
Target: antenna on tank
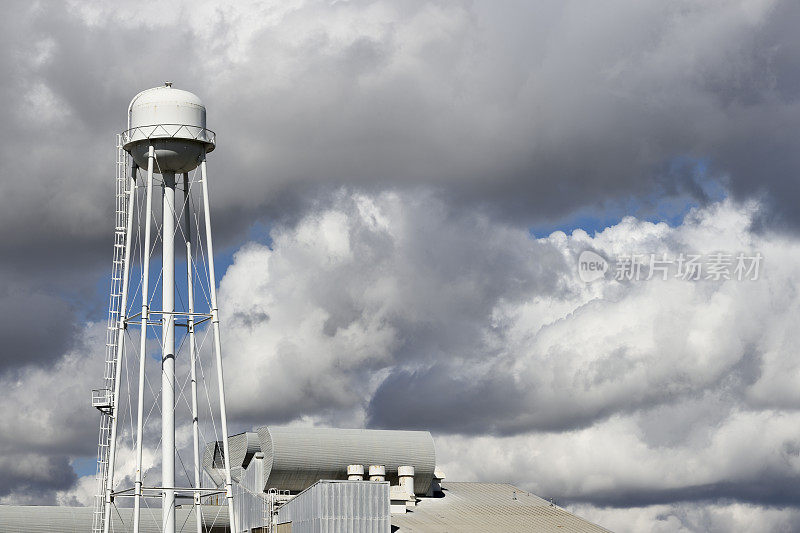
<point>166,136</point>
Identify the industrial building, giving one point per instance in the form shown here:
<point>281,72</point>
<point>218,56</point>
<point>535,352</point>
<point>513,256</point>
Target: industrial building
<point>314,480</point>
<point>302,479</point>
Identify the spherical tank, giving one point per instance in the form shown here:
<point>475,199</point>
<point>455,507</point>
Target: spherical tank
<point>173,121</point>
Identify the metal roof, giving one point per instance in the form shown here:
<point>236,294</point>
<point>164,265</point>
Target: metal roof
<point>55,519</point>
<point>487,508</point>
<point>464,508</point>
<point>242,448</point>
<point>212,462</point>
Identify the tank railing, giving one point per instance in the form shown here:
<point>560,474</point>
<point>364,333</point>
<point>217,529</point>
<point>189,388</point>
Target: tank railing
<point>167,131</point>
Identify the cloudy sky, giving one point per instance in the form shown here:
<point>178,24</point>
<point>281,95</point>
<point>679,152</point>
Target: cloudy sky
<point>401,194</point>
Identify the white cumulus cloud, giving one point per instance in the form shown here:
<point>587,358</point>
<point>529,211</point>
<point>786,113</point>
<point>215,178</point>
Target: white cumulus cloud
<point>395,310</point>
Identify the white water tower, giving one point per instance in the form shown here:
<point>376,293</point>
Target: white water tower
<point>166,136</point>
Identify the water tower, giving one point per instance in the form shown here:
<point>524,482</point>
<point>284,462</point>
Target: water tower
<point>166,139</point>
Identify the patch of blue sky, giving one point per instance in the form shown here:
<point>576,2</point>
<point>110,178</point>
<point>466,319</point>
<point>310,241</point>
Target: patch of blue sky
<point>687,184</point>
<point>99,311</point>
<point>260,232</point>
<point>84,466</point>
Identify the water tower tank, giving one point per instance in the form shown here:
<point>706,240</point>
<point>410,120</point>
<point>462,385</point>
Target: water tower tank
<point>174,122</point>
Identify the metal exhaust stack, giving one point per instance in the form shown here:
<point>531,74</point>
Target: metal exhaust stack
<point>355,472</point>
<point>406,476</point>
<point>377,473</point>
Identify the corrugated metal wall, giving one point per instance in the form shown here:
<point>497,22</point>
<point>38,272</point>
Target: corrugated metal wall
<point>249,502</point>
<point>339,507</point>
<point>249,508</point>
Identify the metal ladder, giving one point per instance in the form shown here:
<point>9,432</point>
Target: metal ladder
<point>269,505</point>
<point>103,398</point>
<point>274,499</point>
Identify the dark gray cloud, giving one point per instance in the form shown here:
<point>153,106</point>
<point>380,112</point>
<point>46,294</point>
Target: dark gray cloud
<point>768,487</point>
<point>48,417</point>
<point>499,403</point>
<point>437,398</point>
<point>34,478</point>
<point>34,328</point>
<point>530,110</point>
<point>576,107</point>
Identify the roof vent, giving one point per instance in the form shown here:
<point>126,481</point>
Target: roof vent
<point>355,472</point>
<point>377,473</point>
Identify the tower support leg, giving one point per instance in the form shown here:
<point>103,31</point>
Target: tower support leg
<point>187,209</point>
<point>217,347</point>
<point>148,214</point>
<point>168,354</point>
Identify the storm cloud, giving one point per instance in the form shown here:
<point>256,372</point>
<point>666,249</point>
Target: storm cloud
<point>531,110</point>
